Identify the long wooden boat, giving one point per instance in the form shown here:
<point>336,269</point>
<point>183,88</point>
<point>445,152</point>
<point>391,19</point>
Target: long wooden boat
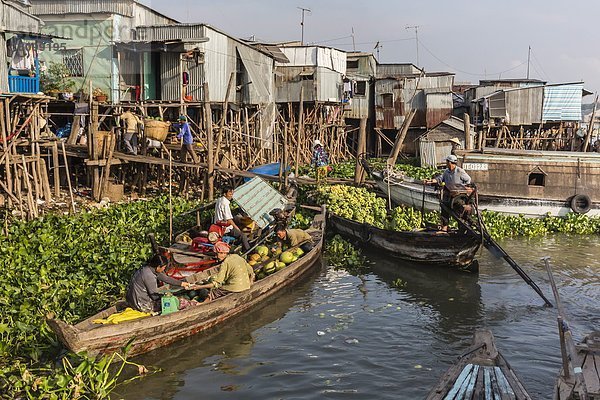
<point>157,331</point>
<point>480,373</point>
<point>589,353</point>
<point>514,182</point>
<point>423,246</point>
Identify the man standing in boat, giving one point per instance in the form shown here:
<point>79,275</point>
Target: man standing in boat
<point>142,293</point>
<point>454,182</point>
<point>224,217</point>
<point>235,274</point>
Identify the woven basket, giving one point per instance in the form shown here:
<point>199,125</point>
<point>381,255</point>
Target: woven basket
<point>157,130</point>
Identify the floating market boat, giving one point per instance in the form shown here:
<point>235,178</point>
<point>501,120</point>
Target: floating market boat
<point>514,182</point>
<point>157,331</point>
<point>480,373</point>
<point>580,374</point>
<point>431,247</point>
<point>256,198</point>
<point>567,387</point>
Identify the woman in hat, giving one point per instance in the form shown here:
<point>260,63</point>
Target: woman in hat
<point>320,160</point>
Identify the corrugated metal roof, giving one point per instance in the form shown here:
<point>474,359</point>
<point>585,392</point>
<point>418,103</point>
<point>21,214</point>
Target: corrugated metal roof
<point>258,198</point>
<point>58,7</point>
<point>562,102</point>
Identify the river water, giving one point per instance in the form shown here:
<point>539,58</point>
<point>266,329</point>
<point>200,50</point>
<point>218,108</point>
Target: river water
<point>388,333</point>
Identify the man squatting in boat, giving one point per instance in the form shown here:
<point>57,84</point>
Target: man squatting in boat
<point>294,237</point>
<point>453,181</point>
<point>142,293</point>
<point>235,274</point>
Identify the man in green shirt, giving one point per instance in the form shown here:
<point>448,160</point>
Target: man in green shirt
<point>294,237</point>
<point>235,274</point>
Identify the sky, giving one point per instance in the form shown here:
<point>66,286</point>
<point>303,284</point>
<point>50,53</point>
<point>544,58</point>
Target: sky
<point>484,39</point>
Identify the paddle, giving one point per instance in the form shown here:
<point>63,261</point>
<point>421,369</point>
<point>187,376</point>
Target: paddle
<point>490,244</point>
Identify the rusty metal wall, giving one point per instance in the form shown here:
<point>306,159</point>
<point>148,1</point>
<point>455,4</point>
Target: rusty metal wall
<point>288,81</point>
<point>439,108</point>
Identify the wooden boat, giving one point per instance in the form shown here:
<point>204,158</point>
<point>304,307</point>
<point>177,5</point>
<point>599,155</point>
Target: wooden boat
<point>514,182</point>
<point>157,331</point>
<point>567,387</point>
<point>423,246</point>
<point>580,374</point>
<point>257,198</point>
<point>480,373</point>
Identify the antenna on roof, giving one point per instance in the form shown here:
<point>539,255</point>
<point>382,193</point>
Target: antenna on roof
<point>353,42</point>
<point>416,28</point>
<point>377,47</point>
<point>302,21</point>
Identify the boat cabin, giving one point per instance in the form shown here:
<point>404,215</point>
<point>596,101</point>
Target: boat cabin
<point>529,174</point>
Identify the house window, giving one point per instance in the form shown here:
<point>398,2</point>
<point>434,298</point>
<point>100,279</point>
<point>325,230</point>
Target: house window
<point>537,179</point>
<point>352,64</point>
<point>361,88</point>
<point>388,100</point>
<point>73,60</point>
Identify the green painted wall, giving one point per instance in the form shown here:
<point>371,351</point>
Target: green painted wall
<point>94,37</point>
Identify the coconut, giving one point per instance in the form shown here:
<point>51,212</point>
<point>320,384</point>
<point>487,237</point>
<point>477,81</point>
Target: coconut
<point>287,257</point>
<point>262,250</point>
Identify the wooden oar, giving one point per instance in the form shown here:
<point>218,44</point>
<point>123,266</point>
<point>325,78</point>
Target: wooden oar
<point>567,343</point>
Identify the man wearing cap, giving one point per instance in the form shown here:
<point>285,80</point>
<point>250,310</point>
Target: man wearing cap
<point>235,274</point>
<point>185,133</point>
<point>320,160</point>
<point>453,180</point>
<point>142,293</point>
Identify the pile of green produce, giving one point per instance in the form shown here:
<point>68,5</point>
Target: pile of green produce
<point>346,169</point>
<point>71,266</point>
<point>268,261</point>
<point>357,204</point>
<point>360,205</point>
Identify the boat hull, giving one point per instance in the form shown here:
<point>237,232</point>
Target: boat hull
<point>414,195</point>
<point>481,372</point>
<point>427,247</point>
<point>150,333</point>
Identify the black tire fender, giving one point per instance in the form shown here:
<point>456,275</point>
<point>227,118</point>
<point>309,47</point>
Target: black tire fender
<point>581,203</point>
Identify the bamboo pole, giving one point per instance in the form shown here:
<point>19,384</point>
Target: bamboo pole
<point>300,129</point>
<point>224,117</point>
<point>64,152</point>
<point>400,138</point>
<point>590,129</point>
<point>210,151</point>
<point>362,147</point>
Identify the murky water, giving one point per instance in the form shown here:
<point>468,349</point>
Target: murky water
<point>387,334</point>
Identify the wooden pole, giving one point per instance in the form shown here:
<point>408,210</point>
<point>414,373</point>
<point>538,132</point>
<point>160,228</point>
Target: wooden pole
<point>64,152</point>
<point>362,147</point>
<point>224,117</point>
<point>400,138</point>
<point>467,129</point>
<point>170,193</point>
<point>210,151</point>
<point>300,132</point>
<point>56,169</point>
<point>590,127</point>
